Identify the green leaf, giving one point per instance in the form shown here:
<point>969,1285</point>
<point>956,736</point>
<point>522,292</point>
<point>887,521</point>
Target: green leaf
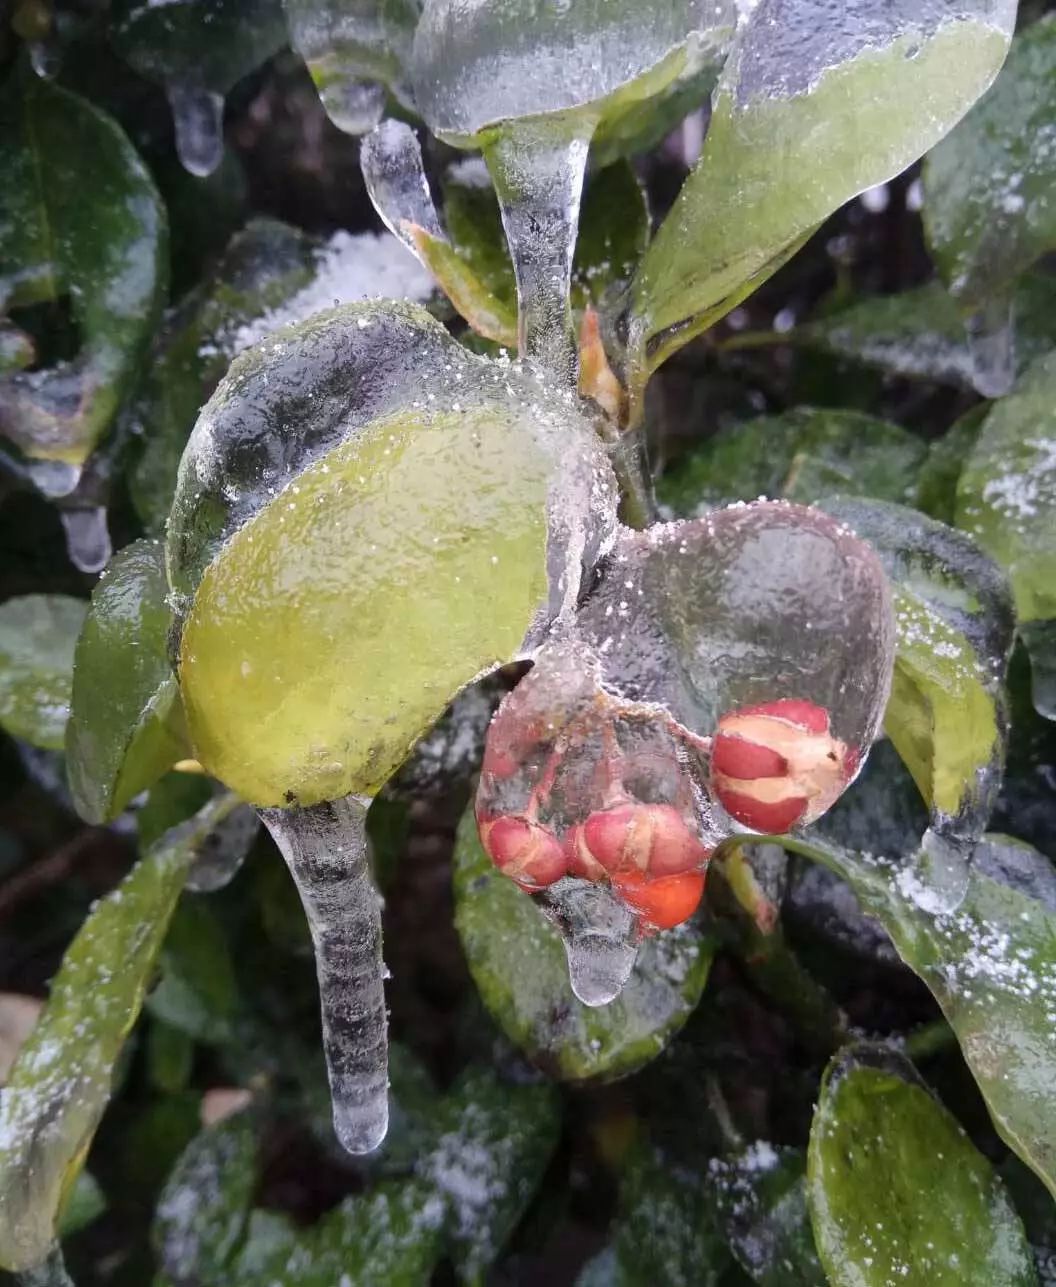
<point>614,232</point>
<point>919,334</point>
<point>263,267</point>
<point>799,456</point>
<point>86,1204</point>
<point>898,1191</point>
<point>991,965</point>
<point>197,994</point>
<point>954,636</point>
<point>816,103</point>
<point>940,473</point>
<point>391,1235</point>
<point>355,50</point>
<point>495,1140</point>
<point>38,634</point>
<point>80,220</point>
<point>433,506</point>
<point>665,1229</point>
<point>62,1080</point>
<point>517,961</point>
<point>203,1209</point>
<point>170,801</point>
<point>126,722</point>
<point>590,63</point>
<point>988,208</point>
<point>761,1199</point>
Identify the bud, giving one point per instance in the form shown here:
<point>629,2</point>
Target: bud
<point>664,903</point>
<point>650,838</point>
<point>777,765</point>
<point>525,851</point>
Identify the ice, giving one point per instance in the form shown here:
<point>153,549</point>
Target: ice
<point>539,182</point>
<point>600,937</point>
<point>391,160</point>
<point>198,117</point>
<point>54,478</point>
<point>52,1273</point>
<point>221,855</point>
<point>358,107</point>
<point>325,847</point>
<point>936,879</point>
<point>992,346</point>
<point>45,57</point>
<point>87,537</point>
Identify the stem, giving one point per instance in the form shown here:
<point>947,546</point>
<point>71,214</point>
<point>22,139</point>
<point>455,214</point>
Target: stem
<point>637,503</point>
<point>929,1040</point>
<point>538,172</point>
<point>325,847</point>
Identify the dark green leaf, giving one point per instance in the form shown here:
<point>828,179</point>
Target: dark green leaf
<point>937,483</point>
<point>197,994</point>
<point>800,456</point>
<point>126,722</point>
<point>988,207</point>
<point>954,627</point>
<point>762,1203</point>
<point>85,1204</point>
<point>203,1210</point>
<point>38,635</point>
<point>80,220</point>
<point>494,1144</point>
<point>518,963</point>
<point>264,266</point>
<point>62,1080</point>
<point>816,103</point>
<point>991,965</point>
<point>170,801</point>
<point>898,1191</point>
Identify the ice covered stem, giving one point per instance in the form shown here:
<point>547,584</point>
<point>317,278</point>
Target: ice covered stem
<point>198,118</point>
<point>537,168</point>
<point>325,847</point>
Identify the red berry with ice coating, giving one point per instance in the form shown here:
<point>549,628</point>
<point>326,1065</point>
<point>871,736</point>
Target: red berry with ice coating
<point>663,903</point>
<point>650,838</point>
<point>776,765</point>
<point>525,851</point>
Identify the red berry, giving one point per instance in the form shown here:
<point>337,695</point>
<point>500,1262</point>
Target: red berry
<point>662,903</point>
<point>525,851</point>
<point>777,764</point>
<point>581,862</point>
<point>649,838</point>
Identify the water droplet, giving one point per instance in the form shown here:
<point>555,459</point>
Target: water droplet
<point>45,57</point>
<point>601,938</point>
<point>53,478</point>
<point>938,881</point>
<point>87,538</point>
<point>198,116</point>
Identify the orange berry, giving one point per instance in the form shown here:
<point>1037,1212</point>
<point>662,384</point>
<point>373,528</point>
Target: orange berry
<point>663,903</point>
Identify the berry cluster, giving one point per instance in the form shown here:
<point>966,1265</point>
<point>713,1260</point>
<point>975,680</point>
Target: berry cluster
<point>576,783</point>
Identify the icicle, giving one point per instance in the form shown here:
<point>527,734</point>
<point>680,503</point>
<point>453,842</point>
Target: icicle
<point>538,174</point>
<point>222,853</point>
<point>601,938</point>
<point>198,115</point>
<point>53,478</point>
<point>325,847</point>
<point>45,57</point>
<point>391,160</point>
<point>942,871</point>
<point>87,538</point>
<point>992,344</point>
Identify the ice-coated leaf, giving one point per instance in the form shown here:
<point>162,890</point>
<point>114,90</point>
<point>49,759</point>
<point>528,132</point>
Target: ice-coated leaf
<point>355,492</point>
<point>495,1140</point>
<point>988,208</point>
<point>203,1210</point>
<point>355,50</point>
<point>898,1191</point>
<point>819,100</point>
<point>746,605</point>
<point>80,220</point>
<point>666,1231</point>
<point>391,1234</point>
<point>919,334</point>
<point>482,64</point>
<point>801,455</point>
<point>761,1198</point>
<point>263,267</point>
<point>991,965</point>
<point>126,722</point>
<point>517,961</point>
<point>197,50</point>
<point>61,1083</point>
<point>954,623</point>
<point>1006,498</point>
<point>38,635</point>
